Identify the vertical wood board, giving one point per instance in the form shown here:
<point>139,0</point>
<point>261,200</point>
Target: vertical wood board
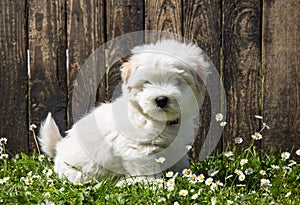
<point>241,68</point>
<point>281,88</point>
<point>123,17</point>
<point>163,15</point>
<point>13,75</point>
<point>202,25</point>
<point>47,46</point>
<point>241,45</point>
<point>85,34</point>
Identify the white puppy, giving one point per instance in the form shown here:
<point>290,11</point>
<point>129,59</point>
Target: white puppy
<point>163,89</point>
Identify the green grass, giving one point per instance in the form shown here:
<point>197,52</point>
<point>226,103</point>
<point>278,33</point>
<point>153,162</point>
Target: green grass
<point>232,177</point>
<point>31,180</point>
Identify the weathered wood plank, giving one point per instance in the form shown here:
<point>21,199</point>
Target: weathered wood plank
<point>202,25</point>
<point>241,67</point>
<point>47,45</point>
<point>123,17</point>
<point>86,33</point>
<point>163,15</point>
<point>281,54</point>
<point>13,75</point>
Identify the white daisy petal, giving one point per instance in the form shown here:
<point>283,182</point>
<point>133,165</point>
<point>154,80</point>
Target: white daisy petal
<point>160,160</point>
<point>258,117</point>
<point>219,117</point>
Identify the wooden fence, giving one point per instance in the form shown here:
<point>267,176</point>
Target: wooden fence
<point>254,44</point>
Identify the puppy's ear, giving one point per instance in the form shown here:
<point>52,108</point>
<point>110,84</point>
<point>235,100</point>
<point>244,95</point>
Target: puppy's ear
<point>127,69</point>
<point>126,72</point>
<point>199,88</point>
<point>200,74</point>
<point>203,69</point>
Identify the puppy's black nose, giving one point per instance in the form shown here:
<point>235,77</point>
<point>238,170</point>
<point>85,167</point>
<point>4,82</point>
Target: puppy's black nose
<point>161,101</point>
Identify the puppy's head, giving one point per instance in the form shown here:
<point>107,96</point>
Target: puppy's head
<point>166,80</point>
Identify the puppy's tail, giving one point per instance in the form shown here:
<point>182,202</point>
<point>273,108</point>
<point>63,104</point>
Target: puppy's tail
<point>49,136</point>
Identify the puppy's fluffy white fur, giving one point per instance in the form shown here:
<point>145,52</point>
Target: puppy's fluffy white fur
<point>163,89</point>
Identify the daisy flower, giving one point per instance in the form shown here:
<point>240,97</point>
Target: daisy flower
<point>193,179</point>
<point>209,181</point>
<point>77,183</point>
<point>195,196</point>
<point>238,172</point>
<point>4,180</point>
<point>240,197</point>
<point>187,173</point>
<point>48,172</point>
<point>170,188</point>
<point>262,172</point>
<point>223,124</point>
<point>243,162</point>
<point>3,140</point>
<point>28,181</point>
<point>242,177</point>
<point>265,183</point>
<point>275,166</point>
<point>213,200</point>
<point>46,195</point>
<point>201,178</point>
<point>160,160</point>
<point>229,202</point>
<point>3,156</point>
<point>171,182</point>
<point>213,186</point>
<point>287,169</point>
<point>249,171</point>
<point>298,152</point>
<point>41,157</point>
<point>188,147</point>
<point>238,140</point>
<point>219,117</point>
<point>285,155</point>
<point>228,154</point>
<point>159,181</point>
<point>183,192</point>
<point>219,183</point>
<point>160,187</point>
<point>32,127</point>
<point>50,182</point>
<point>162,199</point>
<point>169,174</point>
<point>256,136</point>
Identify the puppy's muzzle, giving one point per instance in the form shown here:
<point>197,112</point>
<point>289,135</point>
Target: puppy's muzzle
<point>162,101</point>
